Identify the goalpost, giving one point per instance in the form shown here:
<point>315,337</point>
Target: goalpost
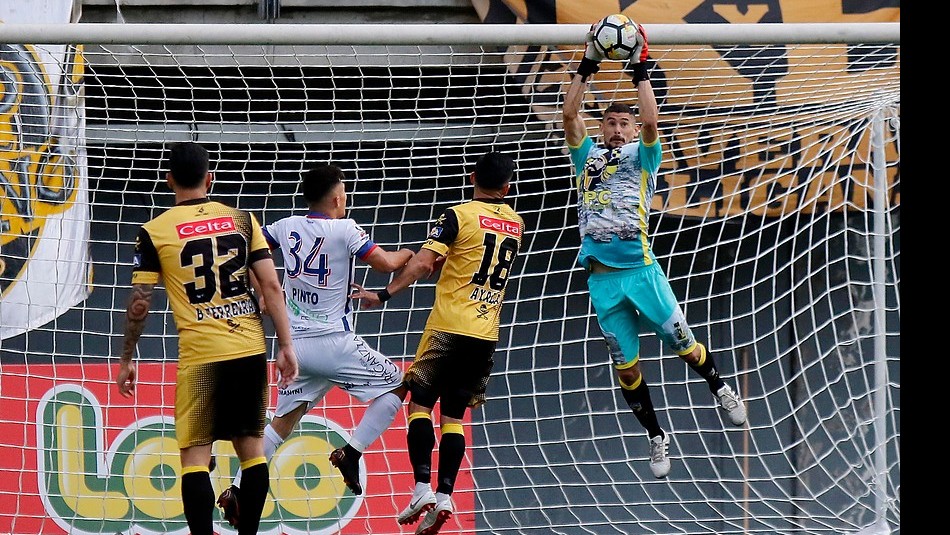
<point>777,219</point>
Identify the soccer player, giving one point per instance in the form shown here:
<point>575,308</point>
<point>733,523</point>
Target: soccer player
<point>478,242</point>
<point>202,251</point>
<point>319,250</point>
<point>628,288</point>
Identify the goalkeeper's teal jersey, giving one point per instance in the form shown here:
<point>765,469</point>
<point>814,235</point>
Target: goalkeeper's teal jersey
<point>614,191</point>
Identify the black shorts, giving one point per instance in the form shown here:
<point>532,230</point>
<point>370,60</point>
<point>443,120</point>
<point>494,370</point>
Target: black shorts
<point>221,400</point>
<point>451,367</point>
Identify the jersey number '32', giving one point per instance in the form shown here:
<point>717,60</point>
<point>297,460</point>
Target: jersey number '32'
<point>203,254</point>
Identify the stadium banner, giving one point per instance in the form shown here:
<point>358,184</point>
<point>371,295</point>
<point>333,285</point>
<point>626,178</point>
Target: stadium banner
<point>45,266</point>
<point>91,461</point>
<point>745,182</point>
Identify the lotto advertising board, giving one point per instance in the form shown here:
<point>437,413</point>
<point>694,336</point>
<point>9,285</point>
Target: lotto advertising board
<point>92,462</point>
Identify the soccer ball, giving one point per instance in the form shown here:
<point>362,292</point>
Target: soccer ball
<point>615,36</point>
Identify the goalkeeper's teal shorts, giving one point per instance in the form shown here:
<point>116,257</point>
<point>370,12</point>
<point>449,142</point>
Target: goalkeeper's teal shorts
<point>626,300</point>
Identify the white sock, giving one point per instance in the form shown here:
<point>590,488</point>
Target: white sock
<point>441,497</point>
<point>421,488</point>
<point>377,419</point>
<point>272,441</point>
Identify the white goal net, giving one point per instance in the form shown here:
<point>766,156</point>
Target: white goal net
<point>777,219</point>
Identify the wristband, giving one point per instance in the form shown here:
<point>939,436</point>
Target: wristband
<point>640,72</point>
<point>383,295</point>
<point>587,67</point>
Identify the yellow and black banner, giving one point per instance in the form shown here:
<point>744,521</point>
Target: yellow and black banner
<point>687,11</point>
<point>746,129</point>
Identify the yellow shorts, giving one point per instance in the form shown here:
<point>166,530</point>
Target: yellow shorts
<point>450,366</point>
<point>220,400</point>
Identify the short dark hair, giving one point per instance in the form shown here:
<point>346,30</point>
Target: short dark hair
<point>493,170</point>
<point>188,164</point>
<point>318,181</point>
<point>618,107</point>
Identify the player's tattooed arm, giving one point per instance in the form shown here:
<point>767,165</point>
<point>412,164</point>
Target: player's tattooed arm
<point>140,300</point>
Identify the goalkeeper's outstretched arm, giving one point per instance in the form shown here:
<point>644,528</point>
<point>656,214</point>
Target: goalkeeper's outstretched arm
<point>639,65</point>
<point>574,129</point>
<point>573,123</point>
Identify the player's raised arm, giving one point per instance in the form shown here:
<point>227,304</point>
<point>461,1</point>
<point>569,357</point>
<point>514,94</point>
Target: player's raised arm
<point>647,113</point>
<point>573,123</point>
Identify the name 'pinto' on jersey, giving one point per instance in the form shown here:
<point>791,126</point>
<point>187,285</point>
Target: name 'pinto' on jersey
<point>480,239</point>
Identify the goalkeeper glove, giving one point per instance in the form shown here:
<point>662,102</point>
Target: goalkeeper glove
<point>638,59</point>
<point>590,63</point>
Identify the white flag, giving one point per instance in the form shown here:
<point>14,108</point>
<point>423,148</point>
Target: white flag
<point>45,267</point>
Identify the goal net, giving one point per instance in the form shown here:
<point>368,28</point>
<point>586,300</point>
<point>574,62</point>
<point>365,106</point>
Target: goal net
<point>776,218</point>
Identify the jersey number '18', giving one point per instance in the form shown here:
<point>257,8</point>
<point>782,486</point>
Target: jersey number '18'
<point>506,256</point>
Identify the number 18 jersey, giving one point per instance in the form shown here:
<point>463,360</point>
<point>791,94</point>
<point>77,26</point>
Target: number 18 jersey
<point>480,240</point>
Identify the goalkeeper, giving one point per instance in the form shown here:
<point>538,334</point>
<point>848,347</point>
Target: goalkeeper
<point>615,183</point>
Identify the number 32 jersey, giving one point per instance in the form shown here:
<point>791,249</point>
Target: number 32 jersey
<point>480,240</point>
<point>202,250</point>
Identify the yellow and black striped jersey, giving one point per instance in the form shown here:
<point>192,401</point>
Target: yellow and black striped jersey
<point>202,250</point>
<point>480,240</point>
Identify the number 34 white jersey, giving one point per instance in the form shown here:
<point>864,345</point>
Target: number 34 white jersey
<point>319,267</point>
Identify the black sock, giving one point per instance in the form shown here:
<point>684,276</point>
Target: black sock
<point>197,497</point>
<point>420,440</point>
<point>640,403</point>
<point>255,482</point>
<point>707,370</point>
<point>451,452</point>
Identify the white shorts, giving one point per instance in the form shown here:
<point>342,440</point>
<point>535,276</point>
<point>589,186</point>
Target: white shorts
<point>341,359</point>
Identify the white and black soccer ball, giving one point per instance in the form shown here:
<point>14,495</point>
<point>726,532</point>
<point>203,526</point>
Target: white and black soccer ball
<point>616,37</point>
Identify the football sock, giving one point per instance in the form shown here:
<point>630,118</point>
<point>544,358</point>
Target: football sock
<point>420,440</point>
<point>377,418</point>
<point>706,368</point>
<point>197,497</point>
<point>638,399</point>
<point>253,493</point>
<point>451,452</point>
